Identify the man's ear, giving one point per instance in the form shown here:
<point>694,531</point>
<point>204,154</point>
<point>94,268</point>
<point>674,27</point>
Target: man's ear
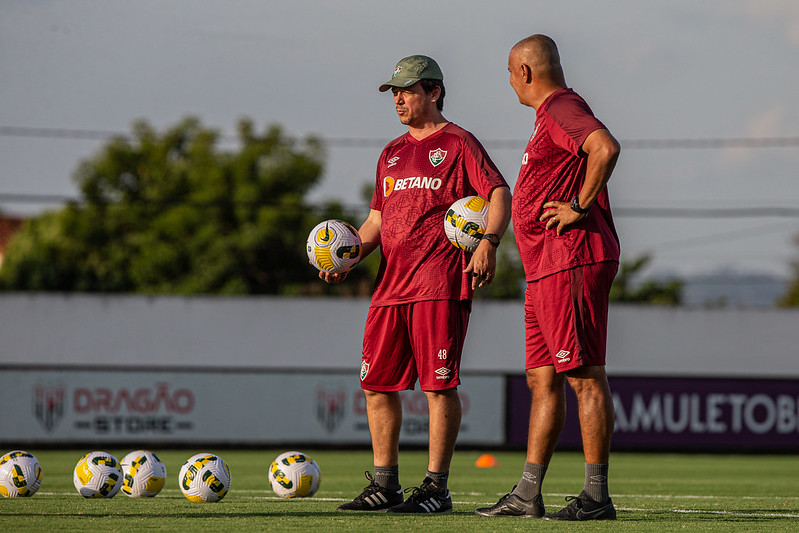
<point>527,73</point>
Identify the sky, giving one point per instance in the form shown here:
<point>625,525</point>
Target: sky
<point>674,70</point>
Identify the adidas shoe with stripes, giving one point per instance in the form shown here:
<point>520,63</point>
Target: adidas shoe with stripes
<point>373,498</point>
<point>427,498</point>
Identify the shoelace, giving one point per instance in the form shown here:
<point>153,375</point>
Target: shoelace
<point>574,501</point>
<point>372,488</point>
<point>418,493</point>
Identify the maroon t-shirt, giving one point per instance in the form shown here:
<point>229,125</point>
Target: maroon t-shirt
<point>553,169</point>
<point>416,183</point>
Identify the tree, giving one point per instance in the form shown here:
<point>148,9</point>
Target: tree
<point>650,291</point>
<point>174,213</point>
<point>791,296</point>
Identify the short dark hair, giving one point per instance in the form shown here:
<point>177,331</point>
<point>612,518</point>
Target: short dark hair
<point>429,85</point>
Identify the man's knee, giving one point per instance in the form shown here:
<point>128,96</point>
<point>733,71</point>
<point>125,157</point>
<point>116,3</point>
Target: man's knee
<point>588,380</point>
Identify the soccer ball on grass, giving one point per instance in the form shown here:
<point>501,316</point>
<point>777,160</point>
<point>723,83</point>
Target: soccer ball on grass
<point>204,478</point>
<point>144,474</point>
<point>20,474</point>
<point>97,475</point>
<point>294,475</point>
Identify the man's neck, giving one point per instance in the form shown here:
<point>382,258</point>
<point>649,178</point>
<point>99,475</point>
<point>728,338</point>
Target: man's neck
<point>422,131</point>
<point>540,96</point>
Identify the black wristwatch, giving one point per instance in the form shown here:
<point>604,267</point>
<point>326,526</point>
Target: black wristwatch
<point>492,238</point>
<point>575,205</point>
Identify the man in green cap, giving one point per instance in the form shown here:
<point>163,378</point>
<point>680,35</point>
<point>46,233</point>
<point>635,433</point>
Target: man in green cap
<point>419,313</point>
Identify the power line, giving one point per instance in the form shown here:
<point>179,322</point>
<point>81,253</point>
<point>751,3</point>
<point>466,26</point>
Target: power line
<point>363,142</point>
<point>628,212</point>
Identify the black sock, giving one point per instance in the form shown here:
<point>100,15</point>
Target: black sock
<point>440,478</point>
<point>530,484</point>
<point>596,482</point>
<point>388,477</point>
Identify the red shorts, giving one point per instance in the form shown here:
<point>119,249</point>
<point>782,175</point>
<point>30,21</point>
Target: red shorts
<point>566,317</point>
<point>420,340</point>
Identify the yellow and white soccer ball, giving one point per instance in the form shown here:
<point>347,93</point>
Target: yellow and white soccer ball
<point>465,222</point>
<point>144,474</point>
<point>204,478</point>
<point>97,475</point>
<point>334,246</point>
<point>20,474</point>
<point>294,475</point>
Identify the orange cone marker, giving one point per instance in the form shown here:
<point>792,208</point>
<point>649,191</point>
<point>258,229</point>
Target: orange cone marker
<point>486,461</point>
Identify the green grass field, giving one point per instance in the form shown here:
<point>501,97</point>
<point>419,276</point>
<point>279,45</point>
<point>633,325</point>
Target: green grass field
<point>652,492</point>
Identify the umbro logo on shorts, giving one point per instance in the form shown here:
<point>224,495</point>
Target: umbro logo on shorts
<point>443,373</point>
<point>563,356</point>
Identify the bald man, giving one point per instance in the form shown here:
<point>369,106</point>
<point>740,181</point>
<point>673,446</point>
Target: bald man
<point>570,252</point>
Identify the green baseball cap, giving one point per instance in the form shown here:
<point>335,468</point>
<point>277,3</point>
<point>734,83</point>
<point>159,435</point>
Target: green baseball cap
<point>412,69</point>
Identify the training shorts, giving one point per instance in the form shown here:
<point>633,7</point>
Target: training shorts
<point>566,317</point>
<point>419,340</point>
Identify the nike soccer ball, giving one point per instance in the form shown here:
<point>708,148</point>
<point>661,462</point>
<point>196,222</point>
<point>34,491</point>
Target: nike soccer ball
<point>334,246</point>
<point>294,475</point>
<point>20,474</point>
<point>465,222</point>
<point>144,474</point>
<point>204,478</point>
<point>97,475</point>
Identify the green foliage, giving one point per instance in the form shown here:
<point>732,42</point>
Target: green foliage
<point>791,296</point>
<point>648,291</point>
<point>175,213</point>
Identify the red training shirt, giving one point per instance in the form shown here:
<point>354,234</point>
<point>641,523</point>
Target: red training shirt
<point>416,182</point>
<point>553,169</point>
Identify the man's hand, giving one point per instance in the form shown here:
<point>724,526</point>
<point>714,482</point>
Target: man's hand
<point>483,265</point>
<point>333,278</point>
<point>560,215</point>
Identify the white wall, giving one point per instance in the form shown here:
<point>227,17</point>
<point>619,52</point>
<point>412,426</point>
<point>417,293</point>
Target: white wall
<point>325,333</point>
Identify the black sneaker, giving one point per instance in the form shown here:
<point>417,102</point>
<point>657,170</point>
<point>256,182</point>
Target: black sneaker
<point>582,507</point>
<point>514,505</point>
<point>427,498</point>
<point>373,498</point>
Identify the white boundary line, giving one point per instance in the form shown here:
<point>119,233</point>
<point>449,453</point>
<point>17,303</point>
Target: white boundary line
<point>174,493</point>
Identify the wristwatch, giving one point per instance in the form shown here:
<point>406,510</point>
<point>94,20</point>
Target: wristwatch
<point>492,238</point>
<point>575,205</point>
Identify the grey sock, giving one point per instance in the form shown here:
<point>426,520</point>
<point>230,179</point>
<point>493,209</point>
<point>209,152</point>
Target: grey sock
<point>439,477</point>
<point>388,477</point>
<point>530,484</point>
<point>596,482</point>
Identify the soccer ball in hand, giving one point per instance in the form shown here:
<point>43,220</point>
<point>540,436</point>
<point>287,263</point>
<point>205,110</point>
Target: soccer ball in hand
<point>144,474</point>
<point>20,474</point>
<point>465,222</point>
<point>204,478</point>
<point>334,246</point>
<point>97,475</point>
<point>294,475</point>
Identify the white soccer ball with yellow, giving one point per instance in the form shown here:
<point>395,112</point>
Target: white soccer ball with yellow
<point>204,478</point>
<point>294,475</point>
<point>334,246</point>
<point>144,474</point>
<point>20,474</point>
<point>97,475</point>
<point>465,222</point>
